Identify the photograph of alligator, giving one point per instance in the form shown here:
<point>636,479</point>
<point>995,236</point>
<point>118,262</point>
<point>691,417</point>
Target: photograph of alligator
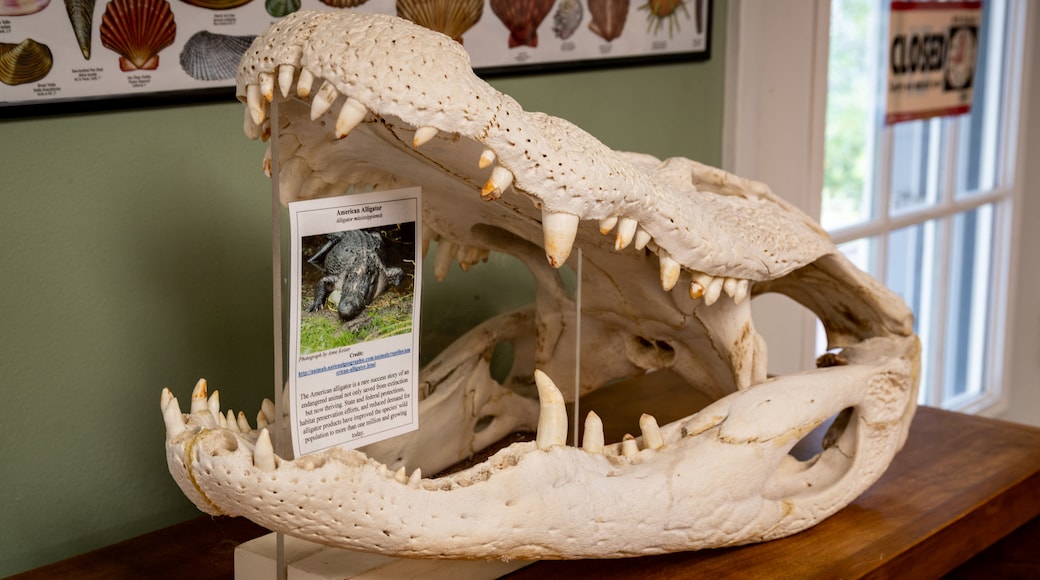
<point>357,285</point>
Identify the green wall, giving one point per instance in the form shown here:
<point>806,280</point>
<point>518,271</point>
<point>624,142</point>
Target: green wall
<point>135,255</point>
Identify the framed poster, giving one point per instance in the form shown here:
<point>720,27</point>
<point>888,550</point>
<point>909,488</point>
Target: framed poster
<point>80,55</point>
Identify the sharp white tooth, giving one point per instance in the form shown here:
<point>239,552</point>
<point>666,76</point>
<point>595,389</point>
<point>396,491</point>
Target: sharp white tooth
<point>249,127</point>
<point>607,224</point>
<point>487,157</point>
<point>670,270</point>
<point>652,438</point>
<point>442,259</point>
<point>423,135</point>
<point>285,76</point>
<point>415,478</point>
<point>642,239</point>
<point>592,439</point>
<point>164,398</point>
<point>221,421</point>
<point>261,420</point>
<point>267,408</point>
<point>267,85</point>
<point>559,230</point>
<point>729,286</point>
<point>256,104</point>
<point>172,417</point>
<point>243,423</point>
<point>501,179</point>
<point>699,285</point>
<point>743,287</point>
<point>304,83</point>
<point>400,475</point>
<point>428,235</point>
<point>198,397</point>
<point>714,290</point>
<point>628,446</point>
<point>626,230</point>
<point>213,404</point>
<point>552,421</point>
<point>263,452</point>
<point>350,116</point>
<point>230,421</point>
<point>323,100</point>
<point>268,163</point>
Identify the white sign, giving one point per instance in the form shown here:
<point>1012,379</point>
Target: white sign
<point>932,48</point>
<point>354,318</point>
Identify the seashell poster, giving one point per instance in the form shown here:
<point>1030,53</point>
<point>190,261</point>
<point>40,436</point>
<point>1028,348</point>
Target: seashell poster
<point>103,53</point>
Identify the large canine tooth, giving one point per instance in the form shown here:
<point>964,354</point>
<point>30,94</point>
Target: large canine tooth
<point>285,76</point>
<point>628,446</point>
<point>423,135</point>
<point>559,230</point>
<point>652,438</point>
<point>172,417</point>
<point>323,100</point>
<point>552,420</point>
<point>626,230</point>
<point>415,478</point>
<point>213,404</point>
<point>606,224</point>
<point>487,157</point>
<point>263,452</point>
<point>642,239</point>
<point>199,397</point>
<point>267,85</point>
<point>500,180</point>
<point>255,103</point>
<point>261,420</point>
<point>304,83</point>
<point>670,270</point>
<point>743,287</point>
<point>350,116</point>
<point>442,259</point>
<point>714,290</point>
<point>165,397</point>
<point>592,439</point>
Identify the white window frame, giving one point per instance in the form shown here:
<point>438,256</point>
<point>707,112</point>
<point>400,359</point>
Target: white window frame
<point>776,84</point>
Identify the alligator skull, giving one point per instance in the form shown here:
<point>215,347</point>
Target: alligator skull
<point>366,101</point>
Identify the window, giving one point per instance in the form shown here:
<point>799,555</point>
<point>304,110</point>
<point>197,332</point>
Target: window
<point>925,206</point>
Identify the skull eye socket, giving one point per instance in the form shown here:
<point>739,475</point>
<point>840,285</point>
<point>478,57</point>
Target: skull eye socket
<point>501,364</point>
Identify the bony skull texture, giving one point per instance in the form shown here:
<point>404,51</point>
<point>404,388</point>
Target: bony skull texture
<point>367,101</point>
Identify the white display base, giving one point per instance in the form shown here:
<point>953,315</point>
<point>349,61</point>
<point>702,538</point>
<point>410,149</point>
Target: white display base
<point>257,560</point>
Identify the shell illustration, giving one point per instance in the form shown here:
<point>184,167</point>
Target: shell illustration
<point>218,4</point>
<point>661,10</point>
<point>522,18</point>
<point>213,57</point>
<point>567,18</point>
<point>22,7</point>
<point>451,17</point>
<point>343,3</point>
<point>608,17</point>
<point>137,30</point>
<point>81,15</point>
<point>279,8</point>
<point>25,62</point>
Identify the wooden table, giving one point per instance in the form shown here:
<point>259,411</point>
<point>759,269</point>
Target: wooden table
<point>962,496</point>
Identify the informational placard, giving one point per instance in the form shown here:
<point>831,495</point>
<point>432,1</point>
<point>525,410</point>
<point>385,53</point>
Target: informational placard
<point>53,52</point>
<point>932,57</point>
<point>354,318</point>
